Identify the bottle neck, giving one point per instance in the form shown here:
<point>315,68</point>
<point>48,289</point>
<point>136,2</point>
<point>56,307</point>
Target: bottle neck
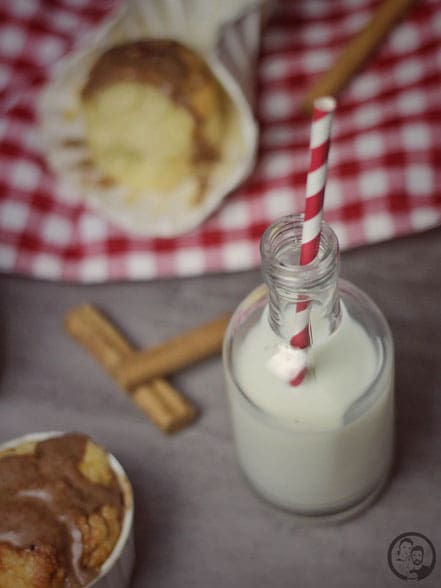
<point>289,283</point>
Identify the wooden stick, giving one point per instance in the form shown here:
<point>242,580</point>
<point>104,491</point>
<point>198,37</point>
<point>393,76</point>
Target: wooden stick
<point>162,403</point>
<point>357,51</point>
<point>173,355</point>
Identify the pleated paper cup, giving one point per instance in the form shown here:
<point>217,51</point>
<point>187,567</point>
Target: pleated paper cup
<point>117,570</point>
<point>227,34</point>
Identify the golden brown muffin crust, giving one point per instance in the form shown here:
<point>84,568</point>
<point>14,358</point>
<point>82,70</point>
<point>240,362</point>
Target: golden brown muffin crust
<point>34,567</point>
<point>167,64</point>
<point>177,71</point>
<point>46,494</point>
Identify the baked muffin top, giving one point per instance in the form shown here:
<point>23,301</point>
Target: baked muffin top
<point>175,69</point>
<point>61,508</point>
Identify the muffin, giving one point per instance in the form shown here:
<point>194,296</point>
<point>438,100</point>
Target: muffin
<point>62,509</point>
<point>155,116</point>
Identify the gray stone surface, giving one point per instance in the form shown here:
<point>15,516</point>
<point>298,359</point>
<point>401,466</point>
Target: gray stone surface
<point>197,523</point>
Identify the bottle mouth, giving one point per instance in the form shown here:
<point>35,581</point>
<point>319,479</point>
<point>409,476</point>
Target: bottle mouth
<point>280,251</point>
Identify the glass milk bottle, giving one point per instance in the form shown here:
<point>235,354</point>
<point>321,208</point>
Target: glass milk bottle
<point>323,447</point>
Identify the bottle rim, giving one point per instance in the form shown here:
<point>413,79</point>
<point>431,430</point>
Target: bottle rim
<point>281,242</point>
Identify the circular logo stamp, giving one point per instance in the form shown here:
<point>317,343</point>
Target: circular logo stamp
<point>411,556</point>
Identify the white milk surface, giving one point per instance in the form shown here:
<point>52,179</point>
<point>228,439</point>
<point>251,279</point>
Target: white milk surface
<point>306,459</point>
<point>343,365</point>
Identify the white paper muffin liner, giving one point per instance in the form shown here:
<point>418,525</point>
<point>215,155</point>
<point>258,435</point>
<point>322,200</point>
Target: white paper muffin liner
<point>227,34</point>
<point>117,569</point>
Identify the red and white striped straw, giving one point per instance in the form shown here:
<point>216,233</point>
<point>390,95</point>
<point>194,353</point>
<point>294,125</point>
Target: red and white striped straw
<point>322,116</point>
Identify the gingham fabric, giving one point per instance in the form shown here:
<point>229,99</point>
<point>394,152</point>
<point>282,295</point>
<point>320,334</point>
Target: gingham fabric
<point>384,173</point>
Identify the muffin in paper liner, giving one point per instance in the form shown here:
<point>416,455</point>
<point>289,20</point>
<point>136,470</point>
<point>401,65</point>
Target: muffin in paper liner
<point>228,39</point>
<point>117,570</point>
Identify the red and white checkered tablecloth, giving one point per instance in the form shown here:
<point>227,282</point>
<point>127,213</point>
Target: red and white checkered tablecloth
<point>384,174</point>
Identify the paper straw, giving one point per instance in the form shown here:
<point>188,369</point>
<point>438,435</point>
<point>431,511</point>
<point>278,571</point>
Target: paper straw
<point>315,189</point>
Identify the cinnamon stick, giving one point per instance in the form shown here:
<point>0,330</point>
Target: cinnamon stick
<point>163,405</point>
<point>173,355</point>
<point>158,399</point>
<point>357,51</point>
